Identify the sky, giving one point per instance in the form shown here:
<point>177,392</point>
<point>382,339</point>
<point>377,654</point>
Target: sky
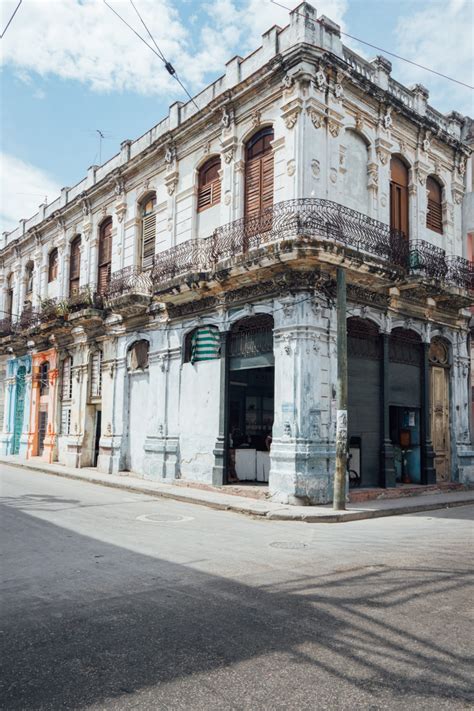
<point>70,67</point>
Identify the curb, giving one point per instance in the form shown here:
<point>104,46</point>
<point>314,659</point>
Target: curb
<point>266,514</point>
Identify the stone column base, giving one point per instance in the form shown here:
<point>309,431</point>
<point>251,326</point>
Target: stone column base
<point>301,473</point>
<point>464,472</point>
<point>110,459</point>
<point>5,444</point>
<point>161,459</point>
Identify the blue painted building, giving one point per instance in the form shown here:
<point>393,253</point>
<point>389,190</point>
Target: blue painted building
<point>14,439</point>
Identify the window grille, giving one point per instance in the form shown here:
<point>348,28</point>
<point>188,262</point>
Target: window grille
<point>65,420</point>
<point>96,374</point>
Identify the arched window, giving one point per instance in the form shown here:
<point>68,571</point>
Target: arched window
<point>75,266</point>
<point>399,195</point>
<point>43,377</point>
<point>148,210</point>
<point>95,375</point>
<point>259,172</point>
<point>202,344</point>
<point>434,214</point>
<point>53,265</point>
<point>209,184</point>
<point>356,194</point>
<point>29,273</point>
<point>105,255</point>
<point>138,355</point>
<point>9,299</point>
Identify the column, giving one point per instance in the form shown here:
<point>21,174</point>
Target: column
<point>428,473</point>
<point>219,471</point>
<point>387,466</point>
<point>303,446</point>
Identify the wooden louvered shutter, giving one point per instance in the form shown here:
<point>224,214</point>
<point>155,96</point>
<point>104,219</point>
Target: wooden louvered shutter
<point>148,240</point>
<point>75,266</point>
<point>399,196</point>
<point>105,257</point>
<point>267,180</point>
<point>434,215</point>
<point>66,390</point>
<point>253,188</point>
<point>96,374</point>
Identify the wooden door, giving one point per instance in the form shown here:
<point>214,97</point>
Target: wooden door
<point>440,422</point>
<point>399,195</point>
<point>258,184</point>
<point>75,266</point>
<point>105,256</point>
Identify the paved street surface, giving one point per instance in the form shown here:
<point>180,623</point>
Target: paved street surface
<point>121,601</point>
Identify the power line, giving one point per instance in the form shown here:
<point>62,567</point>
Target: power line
<point>11,18</point>
<point>381,49</point>
<point>168,66</point>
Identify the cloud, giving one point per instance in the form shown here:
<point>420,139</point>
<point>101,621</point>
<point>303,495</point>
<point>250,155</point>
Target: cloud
<point>22,188</point>
<point>439,37</point>
<point>83,40</point>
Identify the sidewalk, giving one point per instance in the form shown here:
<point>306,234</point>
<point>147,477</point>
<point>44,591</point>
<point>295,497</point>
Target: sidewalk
<point>251,507</point>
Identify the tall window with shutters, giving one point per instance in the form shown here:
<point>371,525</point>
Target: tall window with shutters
<point>434,213</point>
<point>75,266</point>
<point>95,375</point>
<point>9,298</point>
<point>66,395</point>
<point>105,255</point>
<point>53,265</point>
<point>148,210</point>
<point>259,173</point>
<point>399,195</point>
<point>209,184</point>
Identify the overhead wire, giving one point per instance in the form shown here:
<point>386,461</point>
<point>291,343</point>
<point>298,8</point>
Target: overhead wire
<point>11,18</point>
<point>379,49</point>
<point>168,66</point>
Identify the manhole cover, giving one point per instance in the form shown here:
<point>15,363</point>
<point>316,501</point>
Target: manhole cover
<point>289,545</point>
<point>163,518</point>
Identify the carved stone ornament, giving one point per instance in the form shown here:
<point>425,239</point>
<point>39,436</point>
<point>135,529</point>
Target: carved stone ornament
<point>333,175</point>
<point>421,175</point>
<point>291,119</point>
<point>437,167</point>
<point>228,155</point>
<point>359,122</point>
<point>320,79</point>
<point>338,88</point>
<point>288,83</point>
<point>206,149</point>
<point>458,194</point>
<point>316,119</point>
<point>372,175</point>
<point>227,198</point>
<point>462,166</point>
<point>334,128</point>
<point>118,183</point>
<point>85,204</point>
<point>291,167</point>
<point>227,118</point>
<point>170,153</point>
<point>315,168</point>
<point>426,143</point>
<point>255,118</point>
<point>383,201</point>
<point>382,155</point>
<point>402,146</point>
<point>387,120</point>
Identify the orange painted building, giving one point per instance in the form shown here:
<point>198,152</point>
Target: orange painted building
<point>43,427</point>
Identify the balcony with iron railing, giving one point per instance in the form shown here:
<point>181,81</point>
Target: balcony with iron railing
<point>129,291</point>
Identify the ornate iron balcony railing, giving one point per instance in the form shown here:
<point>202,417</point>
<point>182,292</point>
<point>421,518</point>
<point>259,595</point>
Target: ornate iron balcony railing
<point>432,262</point>
<point>85,298</point>
<point>129,280</point>
<point>304,218</point>
<point>5,327</point>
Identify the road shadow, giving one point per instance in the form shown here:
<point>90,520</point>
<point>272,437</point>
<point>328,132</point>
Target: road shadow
<point>87,623</point>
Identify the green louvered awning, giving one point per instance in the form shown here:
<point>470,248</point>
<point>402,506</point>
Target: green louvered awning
<point>205,344</point>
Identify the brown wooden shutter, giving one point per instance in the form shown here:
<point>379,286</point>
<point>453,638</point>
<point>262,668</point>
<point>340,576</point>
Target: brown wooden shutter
<point>253,188</point>
<point>105,256</point>
<point>148,240</point>
<point>434,215</point>
<point>267,181</point>
<point>209,184</point>
<point>75,266</point>
<point>399,195</point>
<point>259,173</point>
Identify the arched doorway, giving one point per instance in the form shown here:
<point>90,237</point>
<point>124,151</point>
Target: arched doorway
<point>439,401</point>
<point>405,404</point>
<point>364,393</point>
<point>250,398</point>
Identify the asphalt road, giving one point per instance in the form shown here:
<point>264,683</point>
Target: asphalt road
<point>120,601</point>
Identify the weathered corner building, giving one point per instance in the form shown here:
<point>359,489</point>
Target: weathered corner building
<point>173,314</point>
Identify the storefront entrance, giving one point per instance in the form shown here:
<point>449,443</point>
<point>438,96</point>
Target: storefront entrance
<point>250,399</point>
<point>19,409</point>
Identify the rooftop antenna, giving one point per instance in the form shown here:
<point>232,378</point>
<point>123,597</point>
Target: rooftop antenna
<point>101,135</point>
